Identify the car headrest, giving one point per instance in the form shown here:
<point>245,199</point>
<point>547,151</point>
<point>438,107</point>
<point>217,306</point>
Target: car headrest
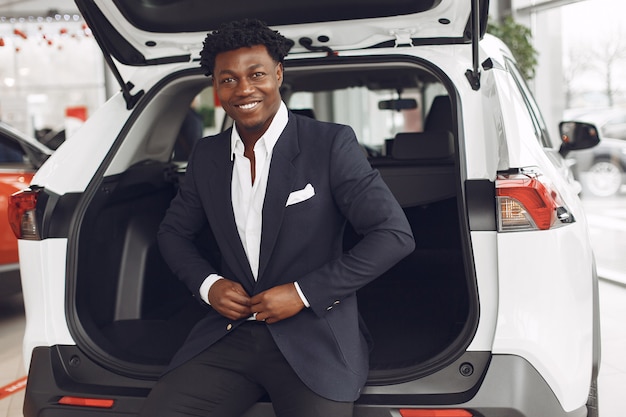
<point>437,144</point>
<point>440,115</point>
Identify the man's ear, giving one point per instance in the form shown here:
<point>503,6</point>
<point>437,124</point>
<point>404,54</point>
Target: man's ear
<point>279,73</point>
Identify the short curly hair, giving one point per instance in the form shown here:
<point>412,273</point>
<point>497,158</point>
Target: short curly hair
<point>239,34</point>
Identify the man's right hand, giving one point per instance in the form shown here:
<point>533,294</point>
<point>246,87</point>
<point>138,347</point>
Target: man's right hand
<point>230,299</point>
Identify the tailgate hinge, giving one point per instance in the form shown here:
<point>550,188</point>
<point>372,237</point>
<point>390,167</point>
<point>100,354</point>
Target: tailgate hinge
<point>473,74</point>
<point>99,25</point>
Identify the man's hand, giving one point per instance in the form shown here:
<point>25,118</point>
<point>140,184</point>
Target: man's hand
<point>277,303</point>
<point>230,299</point>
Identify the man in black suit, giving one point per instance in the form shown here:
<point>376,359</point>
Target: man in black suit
<point>276,191</point>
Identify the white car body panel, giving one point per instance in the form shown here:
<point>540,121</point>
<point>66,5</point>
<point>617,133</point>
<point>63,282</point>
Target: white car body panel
<point>345,35</point>
<point>544,276</point>
<point>43,285</point>
<point>68,170</point>
<point>487,277</point>
<point>545,309</point>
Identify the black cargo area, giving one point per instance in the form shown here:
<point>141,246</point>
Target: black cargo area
<point>133,307</point>
<point>420,306</point>
<point>127,299</point>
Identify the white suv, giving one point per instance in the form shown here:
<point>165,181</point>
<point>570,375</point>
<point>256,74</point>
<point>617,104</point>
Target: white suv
<point>495,313</point>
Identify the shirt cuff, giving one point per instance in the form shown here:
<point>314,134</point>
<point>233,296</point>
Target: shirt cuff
<point>301,294</point>
<point>206,286</point>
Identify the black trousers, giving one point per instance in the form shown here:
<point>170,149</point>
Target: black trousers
<point>232,375</point>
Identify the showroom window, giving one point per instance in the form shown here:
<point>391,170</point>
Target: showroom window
<point>51,73</point>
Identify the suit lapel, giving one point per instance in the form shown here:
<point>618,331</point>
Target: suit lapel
<point>279,184</point>
<point>225,229</point>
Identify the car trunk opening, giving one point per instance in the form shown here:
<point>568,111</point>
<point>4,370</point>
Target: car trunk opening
<point>134,312</point>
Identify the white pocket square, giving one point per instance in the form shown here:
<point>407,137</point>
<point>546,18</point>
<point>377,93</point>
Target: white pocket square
<point>300,195</point>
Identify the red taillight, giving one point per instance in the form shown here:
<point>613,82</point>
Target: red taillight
<point>22,215</point>
<point>414,412</point>
<point>87,402</point>
<point>527,202</point>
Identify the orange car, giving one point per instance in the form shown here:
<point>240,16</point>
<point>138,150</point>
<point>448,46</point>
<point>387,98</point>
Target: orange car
<point>20,156</point>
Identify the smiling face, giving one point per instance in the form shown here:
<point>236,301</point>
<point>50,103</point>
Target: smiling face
<point>247,82</point>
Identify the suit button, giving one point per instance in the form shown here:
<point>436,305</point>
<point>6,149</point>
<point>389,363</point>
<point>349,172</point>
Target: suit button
<point>229,327</point>
<point>329,308</point>
<point>336,302</point>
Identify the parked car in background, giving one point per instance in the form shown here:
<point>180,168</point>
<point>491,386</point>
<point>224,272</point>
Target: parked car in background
<point>20,157</point>
<point>602,169</point>
<point>610,121</point>
<point>51,138</point>
<point>495,313</point>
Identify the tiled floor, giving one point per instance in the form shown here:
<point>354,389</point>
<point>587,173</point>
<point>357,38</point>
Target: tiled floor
<point>612,383</point>
<point>607,224</point>
<point>11,365</point>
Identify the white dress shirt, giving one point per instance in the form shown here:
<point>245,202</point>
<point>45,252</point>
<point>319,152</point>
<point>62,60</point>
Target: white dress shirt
<point>248,197</point>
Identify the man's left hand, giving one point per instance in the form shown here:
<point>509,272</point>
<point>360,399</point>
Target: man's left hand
<point>277,303</point>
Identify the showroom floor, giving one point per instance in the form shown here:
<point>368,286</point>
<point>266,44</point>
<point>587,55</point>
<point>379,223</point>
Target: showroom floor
<point>11,365</point>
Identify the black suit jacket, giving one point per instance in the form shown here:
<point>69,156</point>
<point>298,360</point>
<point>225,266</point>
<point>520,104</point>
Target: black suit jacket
<point>300,242</point>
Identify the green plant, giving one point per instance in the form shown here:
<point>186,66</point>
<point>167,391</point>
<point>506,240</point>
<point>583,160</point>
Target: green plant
<point>519,39</point>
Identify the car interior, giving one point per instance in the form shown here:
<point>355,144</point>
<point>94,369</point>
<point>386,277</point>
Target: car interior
<point>132,308</point>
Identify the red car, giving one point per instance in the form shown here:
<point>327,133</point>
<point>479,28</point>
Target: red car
<point>20,156</point>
